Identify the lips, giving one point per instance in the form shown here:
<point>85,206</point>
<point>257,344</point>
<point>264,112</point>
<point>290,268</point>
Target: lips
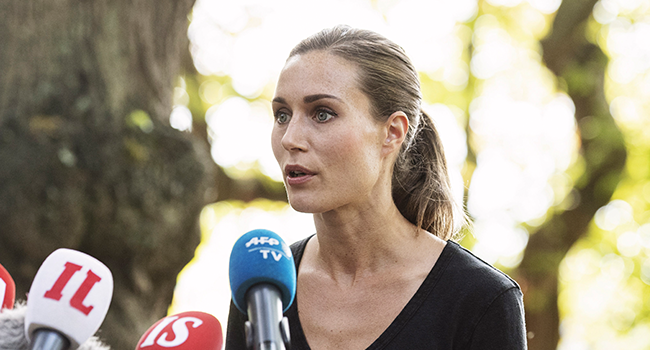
<point>297,174</point>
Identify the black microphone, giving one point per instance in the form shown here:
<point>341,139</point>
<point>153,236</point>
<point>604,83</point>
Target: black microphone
<point>263,284</point>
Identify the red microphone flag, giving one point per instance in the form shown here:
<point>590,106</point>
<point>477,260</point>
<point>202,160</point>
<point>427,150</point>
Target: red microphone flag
<point>184,331</point>
<point>7,289</point>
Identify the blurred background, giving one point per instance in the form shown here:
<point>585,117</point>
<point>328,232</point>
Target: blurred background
<point>543,107</point>
<point>521,151</point>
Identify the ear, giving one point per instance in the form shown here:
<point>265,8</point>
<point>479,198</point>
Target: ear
<point>396,128</point>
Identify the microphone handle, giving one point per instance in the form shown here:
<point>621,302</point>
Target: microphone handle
<point>47,339</point>
<point>267,329</point>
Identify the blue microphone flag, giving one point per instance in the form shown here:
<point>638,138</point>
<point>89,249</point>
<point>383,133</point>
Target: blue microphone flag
<point>261,256</point>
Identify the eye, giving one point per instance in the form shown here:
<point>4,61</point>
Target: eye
<point>282,117</point>
<point>323,115</point>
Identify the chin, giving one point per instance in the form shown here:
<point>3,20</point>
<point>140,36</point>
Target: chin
<point>306,205</point>
<point>303,207</point>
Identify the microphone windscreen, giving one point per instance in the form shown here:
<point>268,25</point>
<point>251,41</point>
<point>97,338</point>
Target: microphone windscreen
<point>184,331</point>
<point>7,289</point>
<point>12,331</point>
<point>261,256</point>
<point>71,293</point>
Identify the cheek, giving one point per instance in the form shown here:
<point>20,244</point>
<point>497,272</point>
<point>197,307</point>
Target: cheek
<point>341,148</point>
<point>355,153</point>
<point>276,143</point>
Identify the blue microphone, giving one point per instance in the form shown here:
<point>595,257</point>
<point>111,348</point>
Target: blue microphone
<point>263,284</point>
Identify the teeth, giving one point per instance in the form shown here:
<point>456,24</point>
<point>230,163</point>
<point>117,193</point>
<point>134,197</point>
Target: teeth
<point>296,173</point>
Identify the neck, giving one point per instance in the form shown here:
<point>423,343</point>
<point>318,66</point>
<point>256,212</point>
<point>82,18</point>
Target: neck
<point>365,241</point>
<point>370,237</point>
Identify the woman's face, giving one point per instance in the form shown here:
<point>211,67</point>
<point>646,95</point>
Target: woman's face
<point>325,139</point>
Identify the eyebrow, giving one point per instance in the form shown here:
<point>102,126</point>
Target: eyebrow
<point>308,99</point>
<point>313,98</point>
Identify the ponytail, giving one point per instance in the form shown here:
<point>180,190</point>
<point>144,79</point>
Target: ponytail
<point>421,187</point>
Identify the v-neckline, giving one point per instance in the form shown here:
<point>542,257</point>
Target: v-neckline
<point>405,314</point>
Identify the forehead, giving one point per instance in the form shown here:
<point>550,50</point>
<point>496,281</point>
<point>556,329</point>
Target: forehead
<point>318,72</point>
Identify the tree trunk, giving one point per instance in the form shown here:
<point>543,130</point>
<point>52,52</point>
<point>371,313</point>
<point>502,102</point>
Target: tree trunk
<point>88,160</point>
<point>582,66</point>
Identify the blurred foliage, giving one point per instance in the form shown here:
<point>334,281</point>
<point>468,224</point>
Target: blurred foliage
<point>605,277</point>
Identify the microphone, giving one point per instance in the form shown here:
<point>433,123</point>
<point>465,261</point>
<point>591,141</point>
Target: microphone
<point>67,301</point>
<point>7,290</point>
<point>12,331</point>
<point>184,331</point>
<point>263,284</point>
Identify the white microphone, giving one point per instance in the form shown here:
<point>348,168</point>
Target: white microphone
<point>67,301</point>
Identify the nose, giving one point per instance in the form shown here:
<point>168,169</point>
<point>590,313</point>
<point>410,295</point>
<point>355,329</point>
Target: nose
<point>295,135</point>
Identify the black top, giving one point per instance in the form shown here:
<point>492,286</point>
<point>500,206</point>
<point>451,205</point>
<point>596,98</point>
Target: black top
<point>464,303</point>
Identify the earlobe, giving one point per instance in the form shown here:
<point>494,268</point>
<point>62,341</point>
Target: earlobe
<point>396,129</point>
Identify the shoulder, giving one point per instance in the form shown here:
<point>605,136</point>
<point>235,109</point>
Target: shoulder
<point>491,302</point>
<point>473,277</point>
<point>485,305</point>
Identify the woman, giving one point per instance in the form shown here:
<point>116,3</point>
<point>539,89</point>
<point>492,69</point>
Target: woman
<point>357,151</point>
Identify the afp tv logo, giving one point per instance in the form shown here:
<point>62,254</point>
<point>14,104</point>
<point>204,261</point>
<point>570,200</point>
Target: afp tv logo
<point>269,247</point>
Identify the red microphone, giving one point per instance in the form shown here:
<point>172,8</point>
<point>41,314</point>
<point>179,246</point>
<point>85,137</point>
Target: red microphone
<point>7,289</point>
<point>189,330</point>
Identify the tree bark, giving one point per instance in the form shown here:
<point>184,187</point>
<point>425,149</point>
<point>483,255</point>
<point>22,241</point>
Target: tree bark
<point>87,157</point>
<point>581,65</point>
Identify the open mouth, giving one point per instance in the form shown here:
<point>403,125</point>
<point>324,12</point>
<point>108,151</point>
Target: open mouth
<point>296,173</point>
